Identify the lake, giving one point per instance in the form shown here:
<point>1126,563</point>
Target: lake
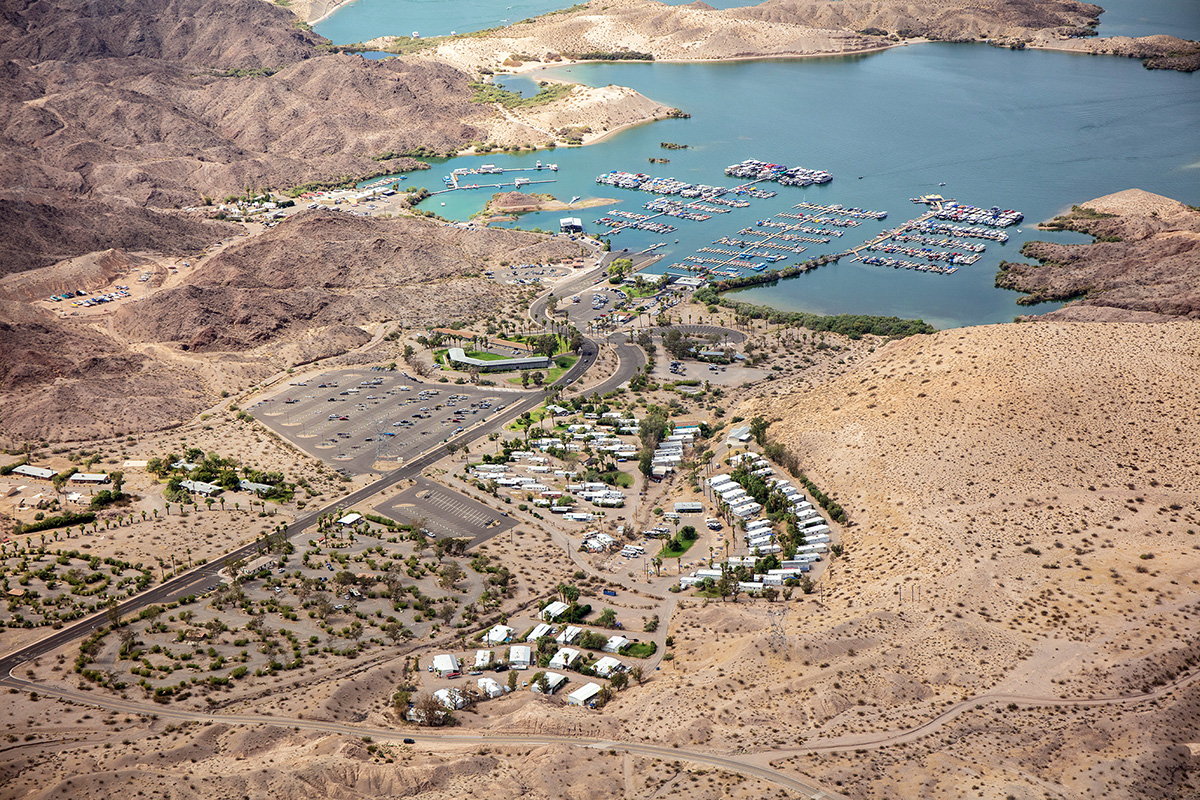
<point>1033,131</point>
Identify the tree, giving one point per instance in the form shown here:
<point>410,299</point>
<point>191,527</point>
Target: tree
<point>758,429</point>
<point>607,618</point>
<point>512,681</point>
<point>619,681</point>
<point>636,673</point>
<point>524,380</point>
<point>538,378</point>
<point>429,711</point>
<point>118,480</point>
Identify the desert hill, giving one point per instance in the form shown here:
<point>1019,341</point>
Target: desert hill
<point>1025,521</point>
<point>115,113</point>
<point>1146,260</point>
<point>299,292</point>
<point>775,28</point>
<point>209,33</point>
<point>323,268</point>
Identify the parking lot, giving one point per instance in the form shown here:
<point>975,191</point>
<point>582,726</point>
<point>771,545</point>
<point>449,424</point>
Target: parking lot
<point>352,418</point>
<point>446,513</point>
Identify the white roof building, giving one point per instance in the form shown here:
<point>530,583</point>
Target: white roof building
<point>489,687</point>
<point>568,635</point>
<point>89,477</point>
<point>41,473</point>
<point>483,659</point>
<point>583,695</point>
<point>607,666</point>
<point>554,610</point>
<point>564,658</point>
<point>539,630</point>
<point>615,644</point>
<point>350,519</point>
<point>554,681</point>
<point>200,487</point>
<point>498,634</point>
<point>445,665</point>
<point>519,656</point>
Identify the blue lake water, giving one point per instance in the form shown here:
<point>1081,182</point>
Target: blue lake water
<point>1034,131</point>
<point>360,20</point>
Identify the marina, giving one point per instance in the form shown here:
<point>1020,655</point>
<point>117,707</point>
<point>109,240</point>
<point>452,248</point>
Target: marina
<point>455,180</point>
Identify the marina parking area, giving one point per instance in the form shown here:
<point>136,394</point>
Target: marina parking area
<point>351,419</point>
<point>444,512</point>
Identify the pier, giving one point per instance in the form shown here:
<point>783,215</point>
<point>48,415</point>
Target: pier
<point>454,183</point>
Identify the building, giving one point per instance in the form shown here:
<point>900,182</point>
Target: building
<point>259,564</point>
<point>615,644</point>
<point>451,699</point>
<point>498,634</point>
<point>607,666</point>
<point>564,658</point>
<point>570,225</point>
<point>446,666</point>
<point>539,630</point>
<point>40,473</point>
<point>200,487</point>
<point>251,486</point>
<point>583,695</point>
<point>483,659</point>
<point>738,436</point>
<point>689,508</point>
<point>519,656</point>
<point>350,519</point>
<point>554,682</point>
<point>554,610</point>
<point>569,634</point>
<point>92,478</point>
<point>458,357</point>
<point>490,688</point>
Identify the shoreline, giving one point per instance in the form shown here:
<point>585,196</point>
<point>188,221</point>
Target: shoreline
<point>534,66</point>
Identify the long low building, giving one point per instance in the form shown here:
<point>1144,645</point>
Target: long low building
<point>459,356</point>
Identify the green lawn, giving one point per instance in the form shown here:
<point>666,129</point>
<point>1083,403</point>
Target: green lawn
<point>639,649</point>
<point>483,355</point>
<point>554,373</point>
<point>670,552</point>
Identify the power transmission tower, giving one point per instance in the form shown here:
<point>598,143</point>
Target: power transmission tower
<point>777,616</point>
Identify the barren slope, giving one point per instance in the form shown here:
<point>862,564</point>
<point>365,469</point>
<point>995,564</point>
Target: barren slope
<point>112,111</point>
<point>777,28</point>
<point>323,268</point>
<point>1032,490</point>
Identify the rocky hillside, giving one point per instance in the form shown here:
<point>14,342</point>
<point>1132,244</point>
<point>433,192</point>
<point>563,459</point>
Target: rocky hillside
<point>323,268</point>
<point>1025,519</point>
<point>1146,259</point>
<point>697,31</point>
<point>114,113</point>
